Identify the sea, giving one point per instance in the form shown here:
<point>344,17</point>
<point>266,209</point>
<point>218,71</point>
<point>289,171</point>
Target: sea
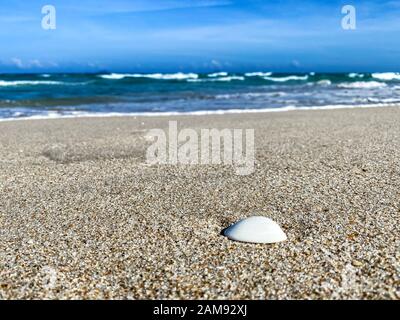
<point>24,96</point>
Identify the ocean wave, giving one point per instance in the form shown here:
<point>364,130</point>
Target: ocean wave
<point>218,74</point>
<point>362,85</point>
<point>171,76</point>
<point>156,76</point>
<point>288,78</point>
<point>84,114</point>
<point>386,76</point>
<point>114,76</point>
<point>383,100</point>
<point>251,95</point>
<point>324,82</point>
<point>227,79</point>
<point>4,83</point>
<point>258,74</point>
<point>355,75</point>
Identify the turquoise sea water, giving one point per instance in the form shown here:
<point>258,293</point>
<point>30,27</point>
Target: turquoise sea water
<point>57,95</point>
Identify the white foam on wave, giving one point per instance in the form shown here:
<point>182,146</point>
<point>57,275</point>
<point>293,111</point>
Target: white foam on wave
<point>383,100</point>
<point>4,83</point>
<point>251,95</point>
<point>324,82</point>
<point>157,76</point>
<point>223,79</point>
<point>258,74</point>
<point>82,114</point>
<point>386,76</point>
<point>362,85</point>
<point>114,76</point>
<point>173,76</point>
<point>288,78</point>
<point>218,74</point>
<point>355,75</point>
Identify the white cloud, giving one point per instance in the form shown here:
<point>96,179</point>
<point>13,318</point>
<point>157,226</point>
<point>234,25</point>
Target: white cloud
<point>35,63</point>
<point>17,63</point>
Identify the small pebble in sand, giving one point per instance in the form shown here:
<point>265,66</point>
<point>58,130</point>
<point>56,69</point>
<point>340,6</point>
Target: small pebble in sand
<point>256,229</point>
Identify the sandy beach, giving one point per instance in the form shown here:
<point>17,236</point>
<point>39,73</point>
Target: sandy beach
<point>84,217</point>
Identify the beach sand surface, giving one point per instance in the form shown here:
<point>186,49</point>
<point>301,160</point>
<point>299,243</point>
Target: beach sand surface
<point>83,216</point>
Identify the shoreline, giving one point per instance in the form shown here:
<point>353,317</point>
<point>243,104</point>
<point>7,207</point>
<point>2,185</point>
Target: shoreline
<point>84,217</point>
<point>203,113</point>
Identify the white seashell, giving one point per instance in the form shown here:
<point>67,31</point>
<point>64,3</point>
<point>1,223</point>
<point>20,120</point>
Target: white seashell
<point>256,229</point>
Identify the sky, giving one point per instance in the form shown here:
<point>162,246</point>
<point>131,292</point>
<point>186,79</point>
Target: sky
<point>199,36</point>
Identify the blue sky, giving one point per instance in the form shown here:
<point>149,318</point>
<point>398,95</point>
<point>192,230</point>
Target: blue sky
<point>199,35</point>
